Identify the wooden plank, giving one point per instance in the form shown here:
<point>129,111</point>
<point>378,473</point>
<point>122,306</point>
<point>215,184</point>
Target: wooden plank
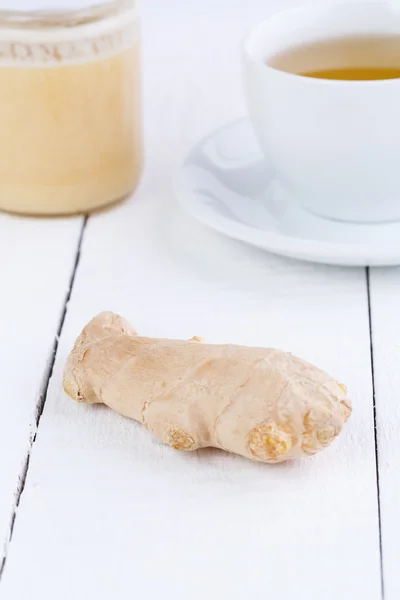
<point>109,512</point>
<point>35,271</point>
<point>385,320</point>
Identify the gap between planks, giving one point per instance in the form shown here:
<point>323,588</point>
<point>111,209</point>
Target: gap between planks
<point>42,396</point>
<point>368,281</point>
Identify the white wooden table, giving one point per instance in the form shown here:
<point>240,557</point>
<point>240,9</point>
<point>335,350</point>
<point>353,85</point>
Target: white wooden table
<point>90,505</point>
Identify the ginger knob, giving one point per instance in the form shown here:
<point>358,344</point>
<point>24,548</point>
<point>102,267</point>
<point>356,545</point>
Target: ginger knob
<point>263,404</point>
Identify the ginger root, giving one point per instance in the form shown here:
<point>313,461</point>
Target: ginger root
<point>260,403</point>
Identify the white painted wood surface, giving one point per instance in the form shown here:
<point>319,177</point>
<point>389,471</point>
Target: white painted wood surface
<point>36,266</point>
<point>106,511</point>
<point>385,303</point>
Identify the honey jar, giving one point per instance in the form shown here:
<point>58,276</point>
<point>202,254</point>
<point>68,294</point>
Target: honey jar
<point>70,120</point>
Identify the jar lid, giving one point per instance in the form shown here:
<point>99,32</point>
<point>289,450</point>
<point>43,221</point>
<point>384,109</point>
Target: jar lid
<point>51,6</point>
<point>57,22</point>
<point>59,12</point>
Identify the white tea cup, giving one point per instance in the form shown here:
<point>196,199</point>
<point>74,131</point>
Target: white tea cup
<point>334,145</point>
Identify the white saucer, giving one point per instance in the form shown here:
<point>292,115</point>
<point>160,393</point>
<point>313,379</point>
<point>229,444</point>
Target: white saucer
<point>226,183</point>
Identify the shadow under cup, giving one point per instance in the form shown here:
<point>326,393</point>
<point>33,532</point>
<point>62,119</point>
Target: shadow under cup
<point>334,144</point>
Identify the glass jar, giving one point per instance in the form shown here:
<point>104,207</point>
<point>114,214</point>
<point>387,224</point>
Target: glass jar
<point>70,120</point>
